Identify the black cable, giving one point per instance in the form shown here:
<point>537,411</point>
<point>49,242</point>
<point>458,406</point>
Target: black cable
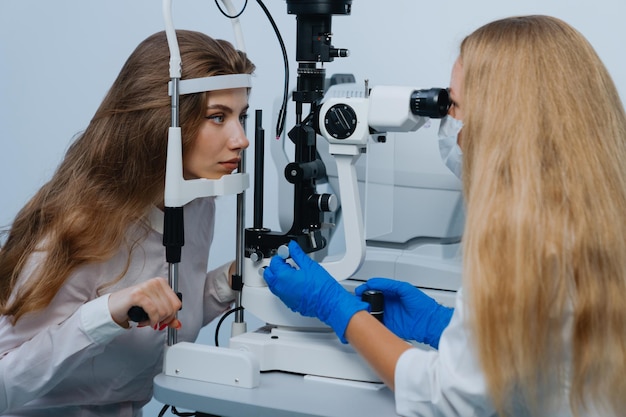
<point>282,114</point>
<point>219,323</point>
<point>163,410</point>
<point>229,16</point>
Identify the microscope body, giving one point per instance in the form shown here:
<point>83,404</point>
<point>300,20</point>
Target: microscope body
<point>349,119</point>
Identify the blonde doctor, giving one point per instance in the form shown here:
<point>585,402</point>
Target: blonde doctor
<point>537,133</point>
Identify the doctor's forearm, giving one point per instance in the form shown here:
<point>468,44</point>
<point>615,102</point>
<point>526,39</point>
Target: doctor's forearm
<point>378,346</point>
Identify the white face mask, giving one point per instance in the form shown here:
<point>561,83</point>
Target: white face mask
<point>451,153</point>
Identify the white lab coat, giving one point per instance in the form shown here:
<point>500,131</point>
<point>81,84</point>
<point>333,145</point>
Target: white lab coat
<point>72,360</point>
<point>449,382</point>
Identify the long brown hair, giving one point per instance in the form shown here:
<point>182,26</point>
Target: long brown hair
<point>544,144</point>
<point>113,173</point>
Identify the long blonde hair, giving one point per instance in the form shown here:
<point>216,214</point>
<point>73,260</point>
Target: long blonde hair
<point>114,172</point>
<point>544,145</point>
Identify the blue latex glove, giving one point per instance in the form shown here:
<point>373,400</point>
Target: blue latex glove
<point>312,291</point>
<point>409,313</point>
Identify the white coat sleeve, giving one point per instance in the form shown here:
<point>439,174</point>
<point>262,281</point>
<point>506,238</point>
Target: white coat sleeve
<point>448,382</point>
<point>37,365</point>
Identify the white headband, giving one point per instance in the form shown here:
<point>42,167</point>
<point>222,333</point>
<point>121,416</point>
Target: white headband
<point>216,82</point>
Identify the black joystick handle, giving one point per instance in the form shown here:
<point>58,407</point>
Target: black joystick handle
<point>376,300</point>
<point>138,314</point>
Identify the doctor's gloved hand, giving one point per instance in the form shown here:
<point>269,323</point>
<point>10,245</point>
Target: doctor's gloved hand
<point>410,313</point>
<point>311,291</point>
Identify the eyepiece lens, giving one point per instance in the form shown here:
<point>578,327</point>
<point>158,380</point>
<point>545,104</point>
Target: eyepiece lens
<point>433,102</point>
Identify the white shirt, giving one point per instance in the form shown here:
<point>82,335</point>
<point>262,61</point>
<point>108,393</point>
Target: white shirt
<point>73,360</point>
<point>450,382</point>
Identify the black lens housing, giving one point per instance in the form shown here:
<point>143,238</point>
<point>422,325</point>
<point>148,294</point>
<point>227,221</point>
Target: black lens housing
<point>433,102</point>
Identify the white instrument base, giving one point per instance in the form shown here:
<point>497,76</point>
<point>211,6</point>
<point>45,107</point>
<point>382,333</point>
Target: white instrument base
<point>212,364</point>
<point>301,351</point>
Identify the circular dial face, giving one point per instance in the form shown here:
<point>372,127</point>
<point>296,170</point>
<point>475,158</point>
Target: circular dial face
<point>340,121</point>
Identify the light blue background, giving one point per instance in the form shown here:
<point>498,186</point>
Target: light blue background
<point>58,58</point>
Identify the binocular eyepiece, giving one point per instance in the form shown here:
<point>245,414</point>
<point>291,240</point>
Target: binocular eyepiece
<point>432,102</point>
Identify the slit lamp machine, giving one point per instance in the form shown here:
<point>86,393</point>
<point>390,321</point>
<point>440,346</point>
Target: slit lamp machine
<point>343,121</point>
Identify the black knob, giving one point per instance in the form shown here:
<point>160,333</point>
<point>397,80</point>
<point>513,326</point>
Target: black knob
<point>340,121</point>
<point>138,314</point>
<point>376,300</point>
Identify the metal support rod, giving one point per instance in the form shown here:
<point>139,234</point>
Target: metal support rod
<point>240,244</point>
<point>175,98</point>
<point>172,274</point>
<point>172,277</point>
<point>259,155</point>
